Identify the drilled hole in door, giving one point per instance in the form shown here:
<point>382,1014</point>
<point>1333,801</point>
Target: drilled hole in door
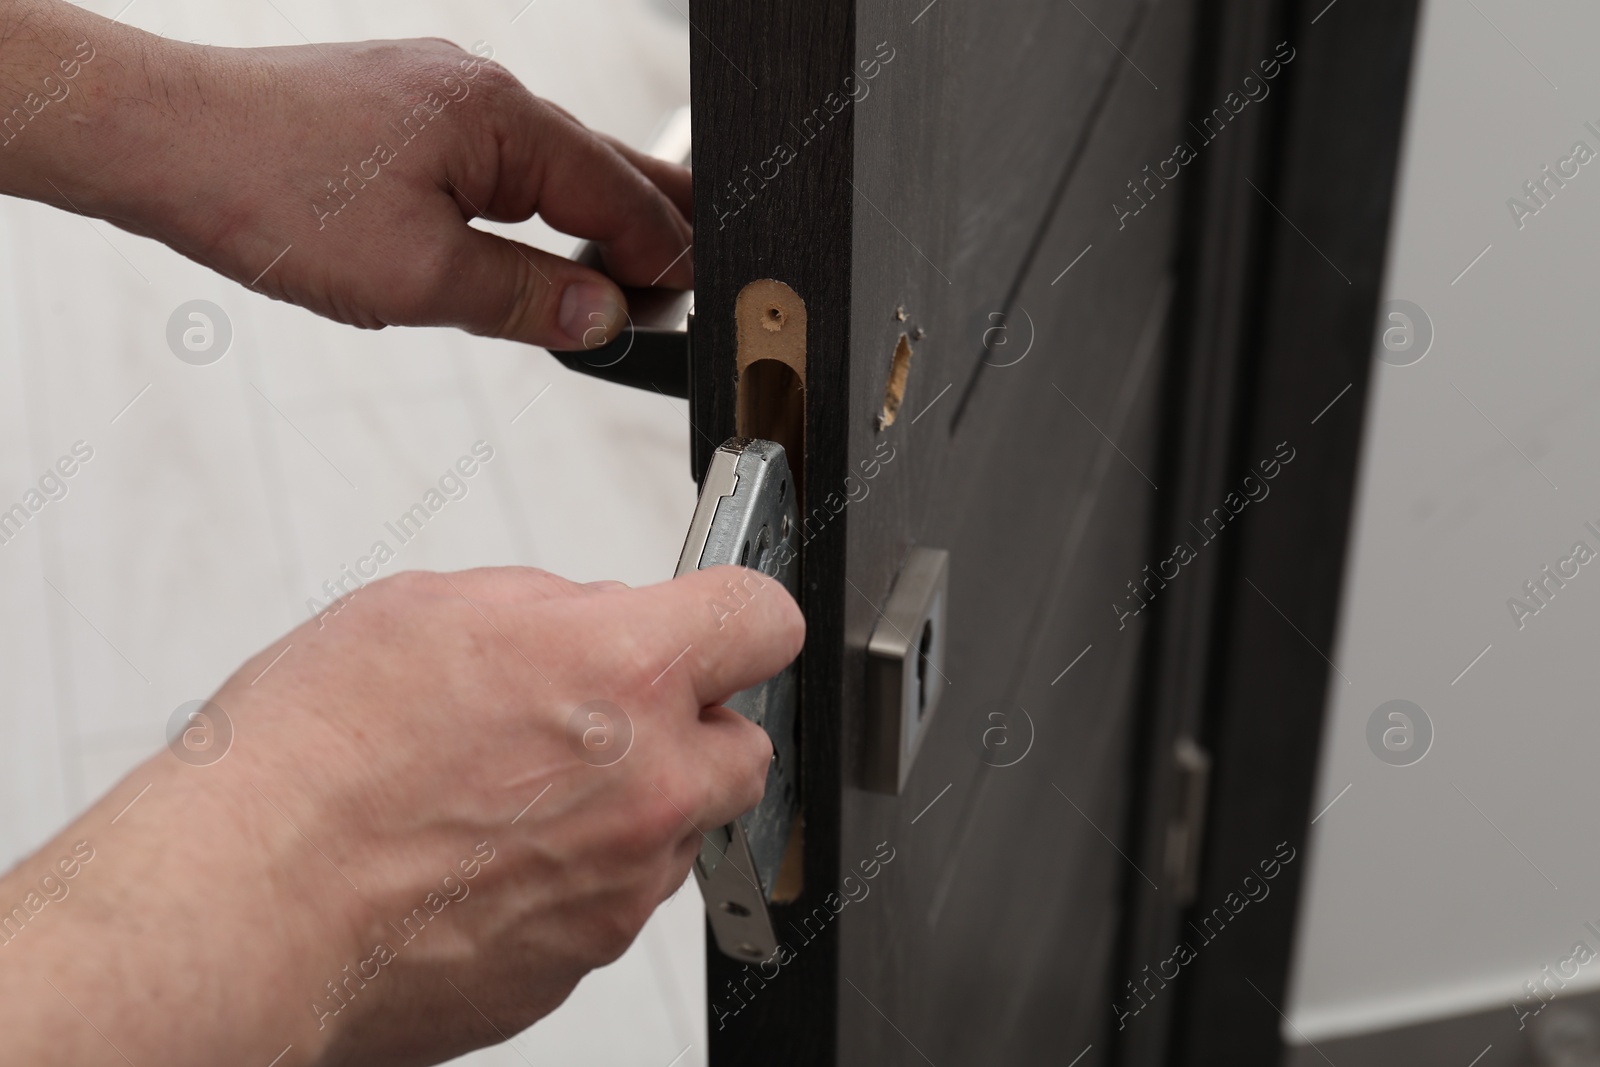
<point>772,405</point>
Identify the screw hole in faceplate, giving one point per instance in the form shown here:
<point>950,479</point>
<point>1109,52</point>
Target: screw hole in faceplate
<point>763,548</point>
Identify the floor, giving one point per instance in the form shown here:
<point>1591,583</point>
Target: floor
<point>220,497</point>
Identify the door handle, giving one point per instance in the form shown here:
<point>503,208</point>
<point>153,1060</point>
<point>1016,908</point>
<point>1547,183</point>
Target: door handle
<point>644,357</point>
<point>652,349</point>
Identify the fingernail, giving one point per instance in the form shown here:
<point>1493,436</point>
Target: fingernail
<point>591,313</point>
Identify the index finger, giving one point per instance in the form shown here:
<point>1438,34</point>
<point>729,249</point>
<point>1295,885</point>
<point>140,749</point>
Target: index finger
<point>582,185</point>
<point>720,630</point>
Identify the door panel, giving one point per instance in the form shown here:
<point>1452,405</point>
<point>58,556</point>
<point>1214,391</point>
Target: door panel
<point>956,182</point>
<point>1004,898</point>
<point>946,202</point>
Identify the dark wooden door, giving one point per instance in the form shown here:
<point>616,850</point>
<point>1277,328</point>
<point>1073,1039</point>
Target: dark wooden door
<point>975,243</point>
<point>949,174</point>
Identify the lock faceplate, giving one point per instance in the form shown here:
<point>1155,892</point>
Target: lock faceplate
<point>747,515</point>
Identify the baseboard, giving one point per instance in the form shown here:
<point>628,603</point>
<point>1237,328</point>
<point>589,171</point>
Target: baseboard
<point>1566,1033</point>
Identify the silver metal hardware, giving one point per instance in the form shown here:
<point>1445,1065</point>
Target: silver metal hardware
<point>905,667</point>
<point>747,515</point>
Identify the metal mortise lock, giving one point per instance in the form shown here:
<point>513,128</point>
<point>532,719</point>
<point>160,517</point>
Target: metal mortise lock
<point>747,515</point>
<point>905,668</point>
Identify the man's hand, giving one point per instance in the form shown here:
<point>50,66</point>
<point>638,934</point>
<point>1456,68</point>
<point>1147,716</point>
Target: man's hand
<point>419,840</point>
<point>341,177</point>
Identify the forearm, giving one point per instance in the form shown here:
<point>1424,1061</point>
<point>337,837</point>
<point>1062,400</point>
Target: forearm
<point>80,105</point>
<point>140,932</point>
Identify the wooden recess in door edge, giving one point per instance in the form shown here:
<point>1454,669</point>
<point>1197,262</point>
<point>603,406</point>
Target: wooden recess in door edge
<point>771,368</point>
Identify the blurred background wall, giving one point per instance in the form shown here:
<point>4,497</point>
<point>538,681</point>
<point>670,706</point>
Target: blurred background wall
<point>220,497</point>
<point>1441,886</point>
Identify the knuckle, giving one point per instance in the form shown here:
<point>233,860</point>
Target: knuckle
<point>663,819</point>
<point>636,662</point>
<point>528,308</point>
<point>494,78</point>
<point>414,585</point>
<point>546,580</point>
<point>791,623</point>
<point>753,784</point>
<point>618,926</point>
<point>519,583</point>
<point>652,826</point>
<point>425,289</point>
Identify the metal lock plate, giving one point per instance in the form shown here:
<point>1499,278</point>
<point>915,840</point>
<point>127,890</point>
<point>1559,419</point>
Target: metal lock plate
<point>747,515</point>
<point>905,667</point>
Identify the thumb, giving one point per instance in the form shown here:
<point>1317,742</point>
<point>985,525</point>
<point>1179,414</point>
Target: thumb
<point>510,290</point>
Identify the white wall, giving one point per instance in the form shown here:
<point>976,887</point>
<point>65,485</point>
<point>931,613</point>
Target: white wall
<point>1420,904</point>
<point>204,521</point>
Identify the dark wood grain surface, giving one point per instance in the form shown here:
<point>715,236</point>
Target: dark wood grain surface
<point>1284,250</point>
<point>994,938</point>
<point>948,173</point>
<point>980,160</point>
<point>757,69</point>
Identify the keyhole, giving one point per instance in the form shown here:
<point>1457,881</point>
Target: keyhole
<point>924,647</point>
